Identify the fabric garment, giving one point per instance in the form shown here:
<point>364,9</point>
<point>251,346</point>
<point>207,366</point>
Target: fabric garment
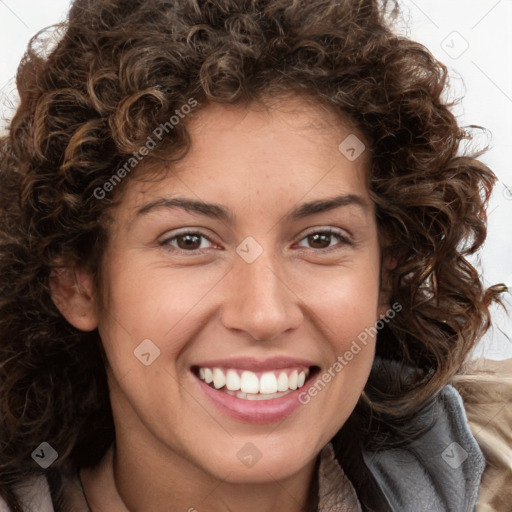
<point>441,471</point>
<point>486,389</point>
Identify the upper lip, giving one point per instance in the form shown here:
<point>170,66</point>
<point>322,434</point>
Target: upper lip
<point>254,364</point>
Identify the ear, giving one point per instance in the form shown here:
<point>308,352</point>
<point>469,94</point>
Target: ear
<point>388,263</point>
<point>72,292</point>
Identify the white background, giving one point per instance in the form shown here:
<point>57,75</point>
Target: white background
<point>472,37</point>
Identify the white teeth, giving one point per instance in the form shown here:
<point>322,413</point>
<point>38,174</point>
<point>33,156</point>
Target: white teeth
<point>249,382</point>
<point>232,380</point>
<point>219,380</point>
<point>257,396</point>
<point>282,382</point>
<point>246,383</point>
<point>292,380</point>
<point>269,396</point>
<point>208,375</point>
<point>268,383</point>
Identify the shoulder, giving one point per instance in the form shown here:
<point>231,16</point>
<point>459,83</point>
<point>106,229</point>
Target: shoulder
<point>486,391</point>
<point>440,466</point>
<point>436,460</point>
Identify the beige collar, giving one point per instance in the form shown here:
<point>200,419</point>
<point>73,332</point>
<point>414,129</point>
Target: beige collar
<point>335,491</point>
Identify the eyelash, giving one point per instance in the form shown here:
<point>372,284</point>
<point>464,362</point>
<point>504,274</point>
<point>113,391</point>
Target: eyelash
<point>328,231</point>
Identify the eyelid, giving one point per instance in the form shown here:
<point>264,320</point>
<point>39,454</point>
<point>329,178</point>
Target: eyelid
<point>325,229</point>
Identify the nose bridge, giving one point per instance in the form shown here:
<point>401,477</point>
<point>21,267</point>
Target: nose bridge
<point>260,301</point>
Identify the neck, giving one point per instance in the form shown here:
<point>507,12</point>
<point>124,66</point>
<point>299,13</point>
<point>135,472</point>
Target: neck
<point>128,480</point>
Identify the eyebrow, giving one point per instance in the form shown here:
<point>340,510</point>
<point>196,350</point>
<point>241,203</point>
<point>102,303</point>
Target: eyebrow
<point>217,211</point>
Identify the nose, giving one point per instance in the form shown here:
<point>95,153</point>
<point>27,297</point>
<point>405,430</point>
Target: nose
<point>260,303</point>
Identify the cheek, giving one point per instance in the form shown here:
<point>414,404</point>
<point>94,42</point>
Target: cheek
<point>350,316</point>
<point>148,302</point>
<point>346,300</point>
<point>345,305</point>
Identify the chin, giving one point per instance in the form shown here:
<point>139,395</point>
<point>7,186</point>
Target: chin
<point>259,462</point>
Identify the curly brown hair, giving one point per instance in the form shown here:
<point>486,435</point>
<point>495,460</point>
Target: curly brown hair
<point>120,69</point>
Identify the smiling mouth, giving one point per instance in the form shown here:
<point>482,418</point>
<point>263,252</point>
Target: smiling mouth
<point>248,385</point>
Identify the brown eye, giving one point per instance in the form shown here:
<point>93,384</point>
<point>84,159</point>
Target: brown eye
<point>188,242</point>
<point>319,240</point>
<point>323,239</point>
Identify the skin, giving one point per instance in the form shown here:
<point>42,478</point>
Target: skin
<point>174,450</point>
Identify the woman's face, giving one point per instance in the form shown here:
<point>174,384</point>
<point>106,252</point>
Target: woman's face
<point>275,281</point>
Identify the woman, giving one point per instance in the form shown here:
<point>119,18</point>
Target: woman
<point>234,274</point>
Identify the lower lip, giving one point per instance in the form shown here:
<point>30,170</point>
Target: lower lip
<point>252,411</point>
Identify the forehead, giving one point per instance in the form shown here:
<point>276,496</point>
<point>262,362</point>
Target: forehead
<point>284,127</point>
<point>278,152</point>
